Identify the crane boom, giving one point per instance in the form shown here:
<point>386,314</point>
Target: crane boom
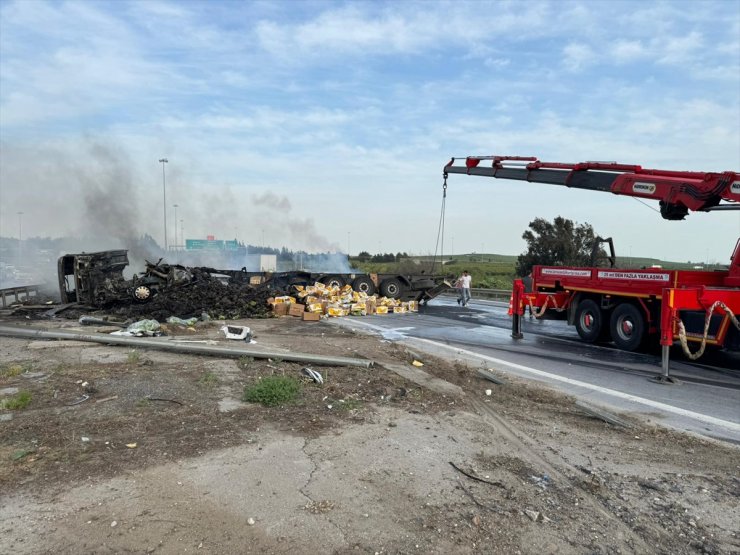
<point>677,191</point>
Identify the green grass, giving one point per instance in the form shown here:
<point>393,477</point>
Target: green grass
<point>493,271</point>
<point>273,391</point>
<point>17,402</point>
<point>209,379</point>
<point>133,357</point>
<point>13,369</point>
<point>348,404</point>
<point>245,362</point>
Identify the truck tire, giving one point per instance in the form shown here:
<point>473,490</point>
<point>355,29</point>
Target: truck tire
<point>364,284</point>
<point>590,321</point>
<point>142,293</point>
<point>391,288</point>
<point>333,280</point>
<point>627,326</point>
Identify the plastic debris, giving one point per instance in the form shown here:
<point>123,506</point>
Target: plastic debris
<point>417,363</point>
<point>179,321</point>
<point>313,374</point>
<point>237,332</point>
<point>131,445</point>
<point>142,328</point>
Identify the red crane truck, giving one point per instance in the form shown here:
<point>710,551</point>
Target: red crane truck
<point>627,306</point>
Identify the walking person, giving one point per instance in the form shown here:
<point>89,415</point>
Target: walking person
<point>463,284</point>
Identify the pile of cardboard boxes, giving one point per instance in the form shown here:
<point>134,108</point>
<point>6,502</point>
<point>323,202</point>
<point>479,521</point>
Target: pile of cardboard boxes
<point>316,301</point>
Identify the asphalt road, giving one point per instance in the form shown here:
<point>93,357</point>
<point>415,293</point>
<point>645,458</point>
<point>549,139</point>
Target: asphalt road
<point>707,400</point>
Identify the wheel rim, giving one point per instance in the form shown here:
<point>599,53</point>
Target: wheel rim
<point>625,328</point>
<point>142,292</point>
<point>587,321</point>
<point>392,289</point>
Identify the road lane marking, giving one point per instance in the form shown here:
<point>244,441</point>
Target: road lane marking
<point>734,426</point>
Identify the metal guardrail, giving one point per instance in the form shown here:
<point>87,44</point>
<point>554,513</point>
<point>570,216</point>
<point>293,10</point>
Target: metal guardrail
<point>483,293</point>
<point>17,294</point>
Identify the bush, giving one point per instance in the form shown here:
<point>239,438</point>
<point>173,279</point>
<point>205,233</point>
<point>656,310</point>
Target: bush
<point>273,391</point>
<point>16,402</point>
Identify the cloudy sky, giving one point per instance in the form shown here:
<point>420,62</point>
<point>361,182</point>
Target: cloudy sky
<point>321,124</point>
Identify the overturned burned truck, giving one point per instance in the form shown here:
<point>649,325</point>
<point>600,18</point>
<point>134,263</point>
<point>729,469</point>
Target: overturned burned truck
<point>96,279</point>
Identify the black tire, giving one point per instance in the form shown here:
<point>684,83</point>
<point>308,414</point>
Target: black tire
<point>391,288</point>
<point>364,284</point>
<point>589,321</point>
<point>627,326</point>
<point>334,280</point>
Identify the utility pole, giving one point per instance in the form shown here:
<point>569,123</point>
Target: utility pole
<point>175,207</point>
<point>163,161</point>
<point>20,237</point>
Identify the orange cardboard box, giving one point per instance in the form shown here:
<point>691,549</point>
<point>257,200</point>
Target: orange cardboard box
<point>296,310</point>
<point>281,309</point>
<point>311,316</point>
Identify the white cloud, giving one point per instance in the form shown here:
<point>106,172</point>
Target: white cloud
<point>577,56</point>
<point>627,50</point>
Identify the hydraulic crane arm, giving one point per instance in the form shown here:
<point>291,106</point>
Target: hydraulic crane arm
<point>677,191</point>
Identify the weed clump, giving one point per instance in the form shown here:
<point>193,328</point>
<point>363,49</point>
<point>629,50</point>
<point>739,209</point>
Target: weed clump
<point>273,391</point>
<point>17,402</point>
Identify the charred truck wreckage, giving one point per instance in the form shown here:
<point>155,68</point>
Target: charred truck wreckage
<point>97,280</point>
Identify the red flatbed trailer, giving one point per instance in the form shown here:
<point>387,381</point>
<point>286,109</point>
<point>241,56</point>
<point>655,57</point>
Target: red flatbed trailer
<point>624,305</point>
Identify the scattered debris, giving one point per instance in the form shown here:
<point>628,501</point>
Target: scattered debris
<point>472,477</point>
<point>180,322</point>
<point>490,376</point>
<point>131,445</point>
<point>534,515</point>
<point>313,375</point>
<point>104,399</point>
<point>242,333</point>
<point>335,301</point>
<point>78,401</point>
<point>607,417</point>
<point>142,328</point>
<point>92,321</point>
<point>250,521</point>
<point>417,363</point>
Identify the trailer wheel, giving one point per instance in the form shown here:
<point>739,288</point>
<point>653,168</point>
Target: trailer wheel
<point>391,288</point>
<point>589,321</point>
<point>627,327</point>
<point>142,293</point>
<point>333,281</point>
<point>364,284</point>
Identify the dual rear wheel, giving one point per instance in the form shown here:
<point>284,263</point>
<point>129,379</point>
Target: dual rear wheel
<point>625,326</point>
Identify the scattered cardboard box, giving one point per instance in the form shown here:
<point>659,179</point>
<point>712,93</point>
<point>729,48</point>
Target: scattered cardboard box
<point>296,309</point>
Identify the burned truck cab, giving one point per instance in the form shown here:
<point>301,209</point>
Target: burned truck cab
<point>94,278</point>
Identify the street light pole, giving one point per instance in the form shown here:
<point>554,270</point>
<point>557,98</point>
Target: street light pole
<point>163,161</point>
<point>20,236</point>
<point>175,207</point>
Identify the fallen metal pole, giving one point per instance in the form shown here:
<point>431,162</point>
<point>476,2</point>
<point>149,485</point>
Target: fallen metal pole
<point>162,345</point>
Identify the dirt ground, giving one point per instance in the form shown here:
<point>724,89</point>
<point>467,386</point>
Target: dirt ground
<point>164,457</point>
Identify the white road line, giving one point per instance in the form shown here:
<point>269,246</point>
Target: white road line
<point>734,426</point>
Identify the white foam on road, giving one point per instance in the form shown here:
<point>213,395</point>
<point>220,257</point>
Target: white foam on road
<point>734,426</point>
